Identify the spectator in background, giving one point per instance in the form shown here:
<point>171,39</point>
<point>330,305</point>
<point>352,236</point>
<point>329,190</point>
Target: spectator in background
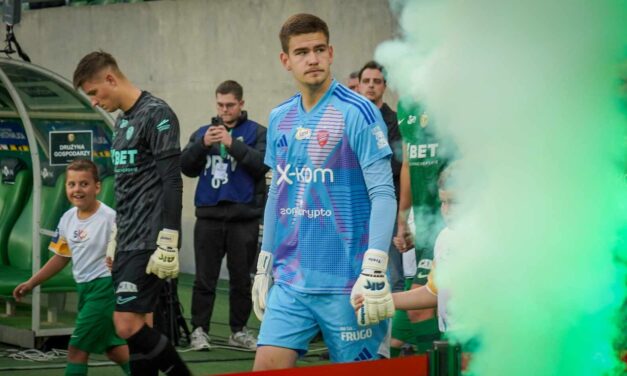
<point>352,82</point>
<point>227,157</point>
<point>372,85</point>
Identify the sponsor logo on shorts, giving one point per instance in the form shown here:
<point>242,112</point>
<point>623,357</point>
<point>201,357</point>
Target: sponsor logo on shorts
<point>122,301</point>
<point>126,287</point>
<point>355,335</point>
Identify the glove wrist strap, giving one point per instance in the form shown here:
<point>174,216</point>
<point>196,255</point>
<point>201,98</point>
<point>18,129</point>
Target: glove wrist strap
<point>375,260</point>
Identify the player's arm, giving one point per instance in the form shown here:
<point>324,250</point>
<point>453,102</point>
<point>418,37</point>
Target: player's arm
<point>263,278</point>
<point>416,299</point>
<point>164,143</point>
<point>372,283</point>
<point>378,178</point>
<point>51,268</point>
<point>251,158</point>
<point>403,239</point>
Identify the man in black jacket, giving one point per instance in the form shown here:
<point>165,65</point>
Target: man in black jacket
<point>227,157</point>
<point>372,85</point>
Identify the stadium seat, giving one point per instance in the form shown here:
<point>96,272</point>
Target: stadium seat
<point>19,250</point>
<point>15,189</point>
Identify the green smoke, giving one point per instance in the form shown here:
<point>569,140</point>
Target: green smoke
<point>530,93</point>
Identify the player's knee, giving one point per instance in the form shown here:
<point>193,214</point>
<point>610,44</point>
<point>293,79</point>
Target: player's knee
<point>269,358</point>
<point>419,315</point>
<point>75,355</point>
<point>127,324</point>
<point>118,354</point>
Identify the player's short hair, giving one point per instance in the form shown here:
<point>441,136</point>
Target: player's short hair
<point>301,23</point>
<point>231,87</point>
<point>91,65</point>
<point>372,65</point>
<point>84,165</point>
<point>354,74</point>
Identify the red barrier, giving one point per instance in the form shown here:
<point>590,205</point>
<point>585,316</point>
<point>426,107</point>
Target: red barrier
<point>417,365</point>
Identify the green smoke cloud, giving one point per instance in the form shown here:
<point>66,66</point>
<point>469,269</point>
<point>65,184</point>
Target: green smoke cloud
<point>530,93</point>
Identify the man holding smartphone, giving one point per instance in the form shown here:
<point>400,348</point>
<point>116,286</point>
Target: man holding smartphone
<point>227,157</point>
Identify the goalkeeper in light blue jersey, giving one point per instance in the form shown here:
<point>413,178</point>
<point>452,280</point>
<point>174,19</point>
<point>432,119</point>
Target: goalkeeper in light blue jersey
<point>329,217</point>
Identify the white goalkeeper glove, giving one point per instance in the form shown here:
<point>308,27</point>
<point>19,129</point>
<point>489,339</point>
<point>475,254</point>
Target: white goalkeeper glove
<point>164,262</point>
<point>111,246</point>
<point>262,284</point>
<point>373,285</point>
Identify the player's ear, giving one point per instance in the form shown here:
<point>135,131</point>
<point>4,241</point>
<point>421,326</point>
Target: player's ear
<point>330,54</point>
<point>285,61</point>
<point>110,79</point>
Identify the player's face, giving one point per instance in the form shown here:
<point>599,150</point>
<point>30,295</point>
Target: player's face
<point>81,189</point>
<point>101,91</point>
<point>372,85</point>
<point>447,205</point>
<point>309,58</point>
<point>229,108</point>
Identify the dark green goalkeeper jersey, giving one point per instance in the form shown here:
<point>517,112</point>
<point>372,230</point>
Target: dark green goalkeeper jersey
<point>146,133</point>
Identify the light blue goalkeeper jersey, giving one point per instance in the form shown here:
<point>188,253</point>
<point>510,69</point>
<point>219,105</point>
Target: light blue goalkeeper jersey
<point>322,206</point>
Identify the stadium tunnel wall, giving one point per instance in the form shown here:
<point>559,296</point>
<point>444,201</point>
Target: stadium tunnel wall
<point>181,50</point>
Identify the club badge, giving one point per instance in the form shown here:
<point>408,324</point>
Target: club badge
<point>424,120</point>
<point>323,138</point>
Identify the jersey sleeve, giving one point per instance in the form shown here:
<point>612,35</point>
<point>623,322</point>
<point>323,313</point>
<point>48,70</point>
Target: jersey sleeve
<point>163,133</point>
<point>368,139</point>
<point>431,286</point>
<point>58,243</point>
<point>270,157</point>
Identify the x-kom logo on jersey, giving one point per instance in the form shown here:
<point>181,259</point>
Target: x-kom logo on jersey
<point>303,174</point>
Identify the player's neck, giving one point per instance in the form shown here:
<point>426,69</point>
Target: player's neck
<point>311,95</point>
<point>129,96</point>
<point>84,213</point>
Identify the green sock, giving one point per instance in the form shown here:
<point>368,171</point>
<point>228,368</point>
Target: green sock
<point>126,367</point>
<point>395,352</point>
<point>76,369</point>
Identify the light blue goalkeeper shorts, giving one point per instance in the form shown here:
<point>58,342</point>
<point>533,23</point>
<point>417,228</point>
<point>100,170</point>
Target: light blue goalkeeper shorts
<point>292,319</point>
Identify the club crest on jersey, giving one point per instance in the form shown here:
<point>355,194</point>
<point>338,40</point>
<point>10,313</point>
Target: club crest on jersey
<point>303,133</point>
<point>129,132</point>
<point>323,138</point>
<point>424,120</point>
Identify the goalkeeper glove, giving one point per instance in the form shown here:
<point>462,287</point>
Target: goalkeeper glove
<point>164,262</point>
<point>111,246</point>
<point>373,285</point>
<point>262,284</point>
